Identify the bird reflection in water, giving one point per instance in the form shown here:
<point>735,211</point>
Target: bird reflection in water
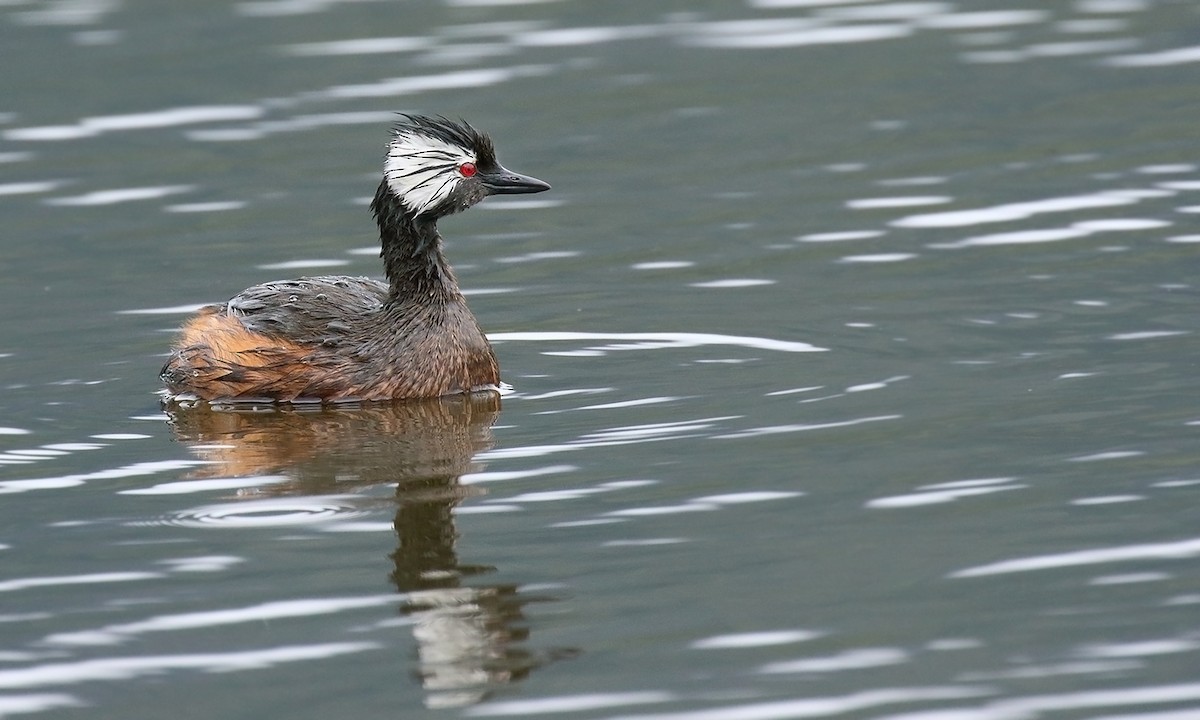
<point>470,636</point>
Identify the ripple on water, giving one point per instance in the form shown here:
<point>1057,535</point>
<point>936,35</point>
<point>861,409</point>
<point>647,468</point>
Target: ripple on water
<point>733,283</point>
<point>119,195</point>
<point>855,659</point>
<point>663,265</point>
<point>214,206</point>
<point>878,258</point>
<point>36,702</point>
<point>28,188</point>
<point>170,117</point>
<point>271,512</point>
<point>658,340</point>
<point>304,264</point>
<point>756,639</point>
<point>946,492</point>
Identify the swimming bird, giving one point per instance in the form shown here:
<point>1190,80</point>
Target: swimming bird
<point>334,338</point>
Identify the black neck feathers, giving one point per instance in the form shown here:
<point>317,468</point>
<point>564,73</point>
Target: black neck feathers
<point>412,252</point>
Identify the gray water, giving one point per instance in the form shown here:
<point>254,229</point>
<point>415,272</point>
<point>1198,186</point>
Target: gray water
<point>852,362</point>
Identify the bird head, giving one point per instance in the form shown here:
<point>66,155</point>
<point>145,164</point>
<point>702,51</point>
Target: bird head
<point>436,166</point>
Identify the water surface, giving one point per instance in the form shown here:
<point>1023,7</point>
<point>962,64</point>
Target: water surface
<point>852,361</point>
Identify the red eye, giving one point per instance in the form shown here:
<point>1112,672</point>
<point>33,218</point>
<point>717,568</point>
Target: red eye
<point>467,169</point>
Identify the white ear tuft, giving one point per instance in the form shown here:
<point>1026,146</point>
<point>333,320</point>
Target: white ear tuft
<point>422,171</point>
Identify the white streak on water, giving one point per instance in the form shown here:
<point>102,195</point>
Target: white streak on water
<point>1129,578</point>
<point>848,660</point>
<point>553,495</point>
<point>840,236</point>
<point>937,497</point>
<point>776,429</point>
<point>1180,185</point>
<point>206,563</point>
<point>302,264</point>
<point>630,403</point>
<point>897,202</point>
<point>1166,169</point>
<point>953,484</point>
<point>494,3</point>
<point>121,195</point>
<point>983,19</point>
<point>1178,550</point>
<point>215,206</point>
<point>793,391</point>
<point>1107,499</point>
<point>194,486</point>
<point>89,127</point>
<point>1038,672</point>
<point>566,703</point>
<point>1017,237</point>
<point>60,580</point>
<point>1176,483</point>
<point>1043,235</point>
<point>125,471</point>
<point>173,310</point>
<point>499,476</point>
<point>1111,455</point>
<point>1122,224</point>
<point>663,265</point>
<point>534,256</point>
<point>810,707</point>
<point>878,258</point>
<point>681,428</point>
<point>679,340</point>
<point>128,668</point>
<point>777,38</point>
<point>887,11</point>
<point>645,542</point>
<point>26,188</point>
<point>756,639</point>
<point>270,512</point>
<point>776,4</point>
<point>355,527</point>
<point>1148,334</point>
<point>733,283</point>
<point>539,204</point>
<point>564,393</point>
<point>570,37</point>
<point>278,610</point>
<point>862,387</point>
<point>1016,211</point>
<point>612,436</point>
<point>1177,56</point>
<point>33,703</point>
<point>359,46</point>
<point>688,507</point>
<point>458,80</point>
<point>1112,6</point>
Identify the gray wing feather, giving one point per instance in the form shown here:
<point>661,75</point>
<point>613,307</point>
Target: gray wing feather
<point>324,310</point>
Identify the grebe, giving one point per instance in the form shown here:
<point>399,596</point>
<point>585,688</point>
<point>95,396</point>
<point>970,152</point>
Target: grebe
<point>334,338</point>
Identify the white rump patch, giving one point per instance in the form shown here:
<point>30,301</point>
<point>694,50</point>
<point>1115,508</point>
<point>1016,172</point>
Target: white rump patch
<point>422,170</point>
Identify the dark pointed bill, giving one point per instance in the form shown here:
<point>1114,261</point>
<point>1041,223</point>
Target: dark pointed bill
<point>507,182</point>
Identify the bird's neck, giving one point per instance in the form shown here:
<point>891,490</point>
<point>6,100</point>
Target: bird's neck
<point>416,269</point>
